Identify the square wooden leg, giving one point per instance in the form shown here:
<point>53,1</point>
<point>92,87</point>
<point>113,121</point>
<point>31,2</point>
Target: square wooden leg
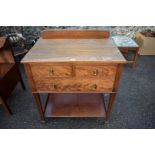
<point>135,59</point>
<point>110,105</point>
<point>39,106</point>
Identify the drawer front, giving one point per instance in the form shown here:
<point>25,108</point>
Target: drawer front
<point>88,71</point>
<point>49,71</point>
<point>96,71</point>
<point>81,85</point>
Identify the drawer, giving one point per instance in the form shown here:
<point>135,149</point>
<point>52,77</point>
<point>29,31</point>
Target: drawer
<point>48,71</point>
<point>107,71</point>
<point>68,85</point>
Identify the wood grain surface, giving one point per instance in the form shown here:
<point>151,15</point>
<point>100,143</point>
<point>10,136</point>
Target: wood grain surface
<point>74,68</point>
<point>4,69</point>
<point>6,57</point>
<point>102,71</point>
<point>49,70</point>
<point>75,105</point>
<point>72,34</point>
<point>74,85</point>
<point>74,50</point>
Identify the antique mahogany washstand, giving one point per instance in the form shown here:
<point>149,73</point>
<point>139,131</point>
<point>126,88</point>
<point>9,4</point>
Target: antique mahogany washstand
<point>75,68</point>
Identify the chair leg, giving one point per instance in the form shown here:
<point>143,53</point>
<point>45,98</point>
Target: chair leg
<point>6,107</point>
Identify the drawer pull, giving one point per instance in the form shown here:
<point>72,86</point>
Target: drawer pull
<point>95,86</point>
<point>95,72</point>
<point>51,72</point>
<point>54,86</point>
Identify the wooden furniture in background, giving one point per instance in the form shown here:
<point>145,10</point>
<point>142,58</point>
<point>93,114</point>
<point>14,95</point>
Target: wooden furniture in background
<point>6,106</point>
<point>126,45</point>
<point>147,44</point>
<point>17,41</point>
<point>75,68</point>
<point>9,72</point>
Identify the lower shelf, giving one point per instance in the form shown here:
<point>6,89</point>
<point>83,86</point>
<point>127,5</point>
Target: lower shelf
<point>75,105</point>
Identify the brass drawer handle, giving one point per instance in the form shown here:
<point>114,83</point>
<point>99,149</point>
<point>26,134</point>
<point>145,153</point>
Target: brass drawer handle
<point>54,86</point>
<point>51,72</point>
<point>95,72</point>
<point>95,86</point>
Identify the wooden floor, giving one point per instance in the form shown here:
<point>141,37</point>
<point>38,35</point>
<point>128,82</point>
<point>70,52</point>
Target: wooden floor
<point>75,105</point>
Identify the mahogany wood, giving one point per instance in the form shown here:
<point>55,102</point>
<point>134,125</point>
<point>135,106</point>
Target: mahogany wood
<point>125,50</point>
<point>75,85</point>
<point>74,34</point>
<point>115,88</point>
<point>9,72</point>
<point>39,106</point>
<point>5,105</point>
<point>75,105</point>
<point>49,70</point>
<point>9,82</point>
<point>5,68</point>
<point>103,71</point>
<point>74,67</point>
<point>74,50</point>
<point>30,77</point>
